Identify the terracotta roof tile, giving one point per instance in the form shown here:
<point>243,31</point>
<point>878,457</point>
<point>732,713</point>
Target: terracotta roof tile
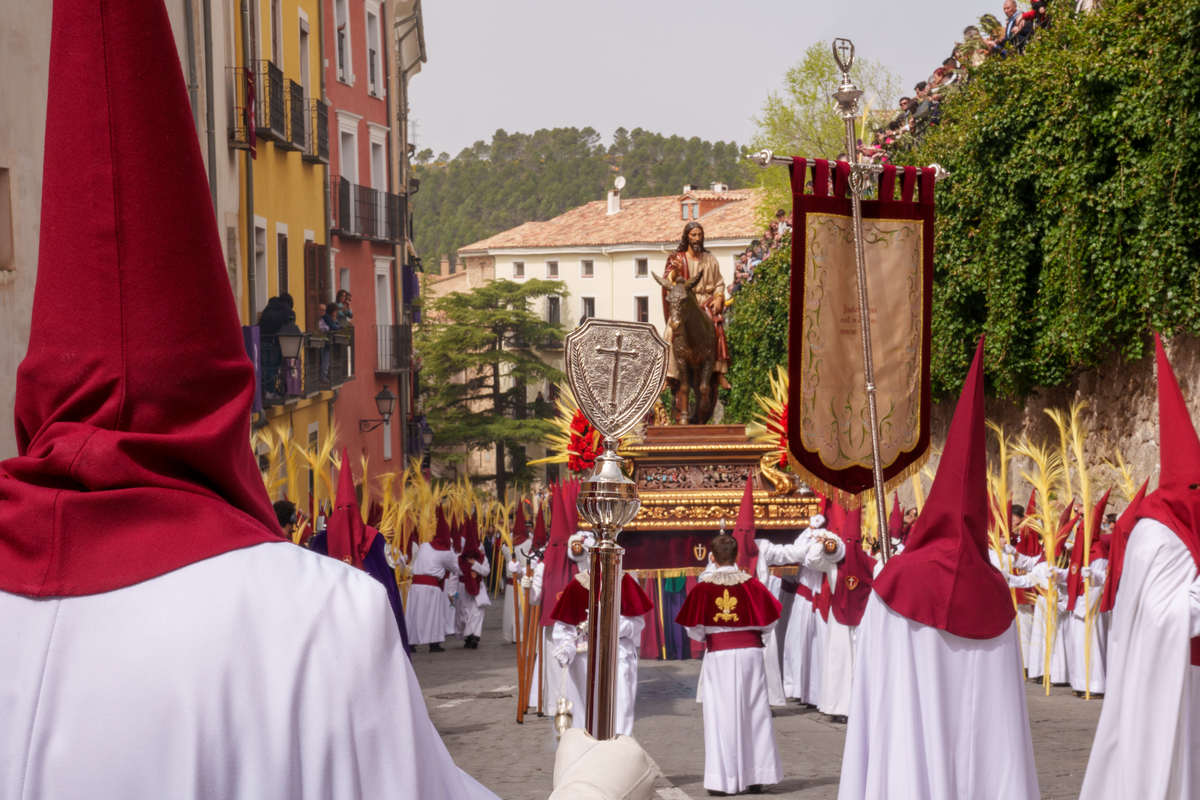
<point>650,220</point>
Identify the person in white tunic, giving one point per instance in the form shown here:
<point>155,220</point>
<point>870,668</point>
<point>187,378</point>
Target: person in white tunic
<point>938,711</point>
<point>1086,633</point>
<point>423,614</point>
<point>1035,662</point>
<point>802,651</point>
<point>1147,743</point>
<point>158,638</point>
<point>520,554</point>
<point>731,611</point>
<point>569,642</point>
<point>472,597</point>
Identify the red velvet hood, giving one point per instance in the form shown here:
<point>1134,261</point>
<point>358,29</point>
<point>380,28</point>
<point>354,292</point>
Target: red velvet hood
<point>854,574</point>
<point>1175,503</point>
<point>896,518</point>
<point>133,401</point>
<point>441,537</point>
<point>558,569</point>
<point>743,529</point>
<point>541,537</point>
<point>519,534</point>
<point>944,578</point>
<point>348,537</point>
<point>1116,554</point>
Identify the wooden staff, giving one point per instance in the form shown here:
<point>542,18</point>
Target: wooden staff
<point>527,645</point>
<point>541,653</point>
<point>521,705</point>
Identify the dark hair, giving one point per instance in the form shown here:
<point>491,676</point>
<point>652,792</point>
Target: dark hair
<point>920,86</point>
<point>724,549</point>
<point>332,308</point>
<point>683,240</point>
<point>340,294</point>
<point>287,298</point>
<point>969,29</point>
<point>950,62</point>
<point>1018,511</point>
<point>780,213</point>
<point>1111,517</point>
<point>285,512</point>
<point>902,99</point>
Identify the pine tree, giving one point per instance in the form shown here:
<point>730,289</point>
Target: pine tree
<point>474,344</point>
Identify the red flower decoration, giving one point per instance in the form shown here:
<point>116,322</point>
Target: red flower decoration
<point>584,445</point>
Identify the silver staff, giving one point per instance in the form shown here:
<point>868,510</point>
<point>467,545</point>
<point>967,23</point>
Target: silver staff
<point>616,371</point>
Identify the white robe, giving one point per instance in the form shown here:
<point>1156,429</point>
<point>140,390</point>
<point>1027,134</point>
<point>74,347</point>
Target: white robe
<point>804,642</point>
<point>574,688</point>
<point>508,625</point>
<point>425,611</point>
<point>468,609</point>
<point>1035,662</point>
<point>739,737</point>
<point>450,598</point>
<point>1027,581</point>
<point>935,716</point>
<point>837,668</point>
<point>1087,672</point>
<point>266,673</point>
<point>775,555</point>
<point>1147,744</point>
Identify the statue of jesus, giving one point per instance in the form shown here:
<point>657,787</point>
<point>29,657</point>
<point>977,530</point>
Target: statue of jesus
<point>691,259</point>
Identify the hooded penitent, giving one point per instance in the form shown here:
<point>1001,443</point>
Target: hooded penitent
<point>854,574</point>
<point>472,549</point>
<point>558,569</point>
<point>519,534</point>
<point>349,538</point>
<point>441,538</point>
<point>1116,550</point>
<point>541,537</point>
<point>743,529</point>
<point>896,518</point>
<point>944,578</point>
<point>1075,577</point>
<point>132,430</point>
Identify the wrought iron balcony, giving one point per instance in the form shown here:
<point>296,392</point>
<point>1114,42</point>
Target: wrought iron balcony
<point>239,114</point>
<point>316,145</point>
<point>270,118</point>
<point>295,116</point>
<point>365,213</point>
<point>326,362</point>
<point>393,348</point>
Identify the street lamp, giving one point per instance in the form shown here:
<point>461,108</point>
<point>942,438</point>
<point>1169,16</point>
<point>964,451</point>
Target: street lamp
<point>427,437</point>
<point>385,402</point>
<point>291,338</point>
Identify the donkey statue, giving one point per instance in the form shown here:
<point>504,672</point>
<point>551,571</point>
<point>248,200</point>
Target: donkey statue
<point>693,339</point>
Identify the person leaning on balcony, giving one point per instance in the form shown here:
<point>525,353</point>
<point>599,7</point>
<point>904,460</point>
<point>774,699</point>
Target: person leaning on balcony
<point>277,314</point>
<point>330,318</point>
<point>345,315</point>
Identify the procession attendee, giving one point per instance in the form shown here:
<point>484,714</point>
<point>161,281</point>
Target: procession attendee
<point>347,539</point>
<point>570,643</point>
<point>730,611</point>
<point>554,572</point>
<point>804,650</point>
<point>157,637</point>
<point>522,546</point>
<point>1146,742</point>
<point>472,594</point>
<point>451,582</point>
<point>939,704</point>
<point>849,573</point>
<point>1049,627</point>
<point>432,562</point>
<point>1086,635</point>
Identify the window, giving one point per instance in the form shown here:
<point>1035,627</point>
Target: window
<point>642,267</point>
<point>281,261</point>
<point>304,56</point>
<point>342,18</point>
<point>587,269</point>
<point>641,309</point>
<point>683,210</point>
<point>695,211</point>
<point>551,269</point>
<point>374,81</point>
<point>276,42</point>
<point>518,269</point>
<point>8,256</point>
<point>554,310</point>
<point>587,307</point>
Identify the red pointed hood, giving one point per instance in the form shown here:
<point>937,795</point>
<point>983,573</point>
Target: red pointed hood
<point>743,529</point>
<point>541,537</point>
<point>558,569</point>
<point>1116,554</point>
<point>132,432</point>
<point>519,534</point>
<point>1175,504</point>
<point>854,574</point>
<point>944,578</point>
<point>441,537</point>
<point>896,518</point>
<point>349,538</point>
<point>835,519</point>
<point>472,546</point>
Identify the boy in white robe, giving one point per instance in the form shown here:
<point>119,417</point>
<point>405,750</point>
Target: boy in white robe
<point>472,596</point>
<point>730,610</point>
<point>424,613</point>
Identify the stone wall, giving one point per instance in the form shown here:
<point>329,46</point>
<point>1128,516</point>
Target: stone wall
<point>1122,416</point>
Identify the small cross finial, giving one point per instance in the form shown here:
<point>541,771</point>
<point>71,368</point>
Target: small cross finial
<point>843,54</point>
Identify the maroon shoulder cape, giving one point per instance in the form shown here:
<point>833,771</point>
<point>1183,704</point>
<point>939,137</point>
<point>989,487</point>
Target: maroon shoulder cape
<point>132,428</point>
<point>572,606</point>
<point>944,577</point>
<point>745,605</point>
<point>854,574</point>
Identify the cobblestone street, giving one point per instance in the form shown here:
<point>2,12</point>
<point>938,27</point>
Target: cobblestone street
<point>471,699</point>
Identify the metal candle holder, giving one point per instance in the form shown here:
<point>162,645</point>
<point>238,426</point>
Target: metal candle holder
<point>616,371</point>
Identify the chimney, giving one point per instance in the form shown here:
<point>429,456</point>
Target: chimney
<point>719,187</point>
<point>687,187</point>
<point>614,202</point>
<point>445,270</point>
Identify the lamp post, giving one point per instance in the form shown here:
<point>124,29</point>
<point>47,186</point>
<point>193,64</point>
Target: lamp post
<point>427,437</point>
<point>385,403</point>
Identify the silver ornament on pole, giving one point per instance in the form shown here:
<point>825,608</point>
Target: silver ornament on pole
<point>616,371</point>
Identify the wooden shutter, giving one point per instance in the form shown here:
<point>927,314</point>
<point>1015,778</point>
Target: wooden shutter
<point>312,283</point>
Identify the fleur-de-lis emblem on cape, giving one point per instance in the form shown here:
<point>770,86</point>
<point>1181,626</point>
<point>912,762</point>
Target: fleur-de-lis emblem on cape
<point>726,604</point>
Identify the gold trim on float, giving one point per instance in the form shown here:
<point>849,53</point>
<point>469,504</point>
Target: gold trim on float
<point>695,449</point>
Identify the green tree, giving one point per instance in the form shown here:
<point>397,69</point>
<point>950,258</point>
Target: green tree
<point>1070,225</point>
<point>757,332</point>
<point>802,120</point>
<point>473,345</point>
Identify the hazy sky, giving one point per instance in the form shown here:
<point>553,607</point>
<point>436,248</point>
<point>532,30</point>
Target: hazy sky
<point>700,68</point>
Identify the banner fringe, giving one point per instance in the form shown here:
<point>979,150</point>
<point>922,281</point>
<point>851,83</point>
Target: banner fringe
<point>850,501</point>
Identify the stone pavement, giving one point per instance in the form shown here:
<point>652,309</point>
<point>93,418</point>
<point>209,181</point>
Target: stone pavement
<point>471,699</point>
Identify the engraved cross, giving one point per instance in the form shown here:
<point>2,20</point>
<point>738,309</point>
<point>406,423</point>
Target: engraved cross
<point>616,353</point>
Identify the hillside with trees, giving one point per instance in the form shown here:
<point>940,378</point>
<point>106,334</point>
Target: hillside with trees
<point>520,177</point>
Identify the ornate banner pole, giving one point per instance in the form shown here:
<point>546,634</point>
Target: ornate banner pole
<point>616,371</point>
<point>847,97</point>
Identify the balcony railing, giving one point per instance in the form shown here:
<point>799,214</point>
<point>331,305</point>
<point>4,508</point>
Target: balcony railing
<point>326,362</point>
<point>393,348</point>
<point>271,104</point>
<point>366,213</point>
<point>316,145</point>
<point>295,108</point>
